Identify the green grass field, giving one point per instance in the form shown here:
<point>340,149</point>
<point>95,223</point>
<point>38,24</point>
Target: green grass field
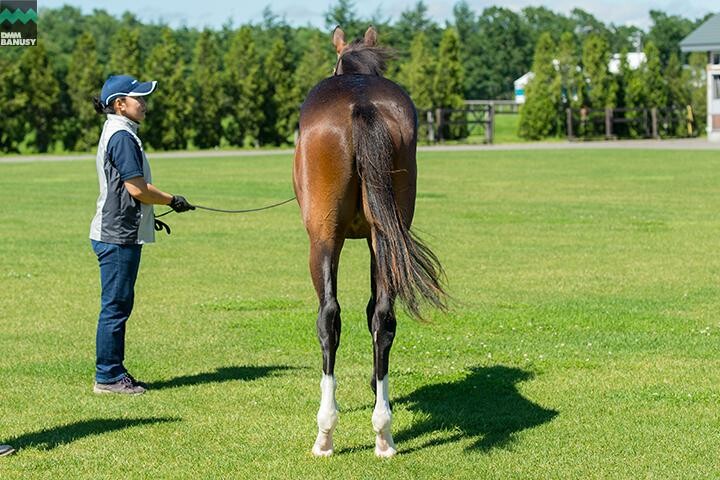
<point>582,341</point>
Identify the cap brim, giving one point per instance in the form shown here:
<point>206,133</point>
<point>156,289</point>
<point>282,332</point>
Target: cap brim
<point>142,89</point>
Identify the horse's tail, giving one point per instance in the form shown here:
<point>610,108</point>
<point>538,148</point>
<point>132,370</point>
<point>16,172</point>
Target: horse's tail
<point>406,267</point>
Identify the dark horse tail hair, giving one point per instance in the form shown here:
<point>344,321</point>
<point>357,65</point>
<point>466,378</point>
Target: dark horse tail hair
<point>406,267</point>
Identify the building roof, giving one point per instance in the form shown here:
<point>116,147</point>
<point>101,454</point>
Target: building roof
<point>705,38</point>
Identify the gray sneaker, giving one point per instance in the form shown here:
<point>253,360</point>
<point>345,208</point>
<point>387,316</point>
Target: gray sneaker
<point>6,450</point>
<point>126,385</point>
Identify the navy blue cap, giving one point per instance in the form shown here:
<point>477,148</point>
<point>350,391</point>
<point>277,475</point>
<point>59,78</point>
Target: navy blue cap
<point>124,86</point>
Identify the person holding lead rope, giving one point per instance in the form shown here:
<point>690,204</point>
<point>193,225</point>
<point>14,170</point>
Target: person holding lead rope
<point>123,223</point>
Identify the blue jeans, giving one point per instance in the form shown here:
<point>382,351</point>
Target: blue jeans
<point>119,266</point>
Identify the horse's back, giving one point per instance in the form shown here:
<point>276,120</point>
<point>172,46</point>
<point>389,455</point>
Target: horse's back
<point>339,94</point>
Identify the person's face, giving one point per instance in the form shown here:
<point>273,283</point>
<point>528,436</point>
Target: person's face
<point>133,108</point>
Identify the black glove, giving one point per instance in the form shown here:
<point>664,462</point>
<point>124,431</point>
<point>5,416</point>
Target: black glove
<point>179,204</point>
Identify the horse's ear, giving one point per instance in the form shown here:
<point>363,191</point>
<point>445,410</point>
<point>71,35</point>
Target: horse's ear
<point>338,39</point>
<point>370,37</point>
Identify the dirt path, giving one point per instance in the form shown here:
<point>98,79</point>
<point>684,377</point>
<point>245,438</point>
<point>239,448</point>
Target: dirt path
<point>674,144</point>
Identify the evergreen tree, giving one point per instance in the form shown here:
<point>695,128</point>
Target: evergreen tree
<point>623,76</point>
<point>170,105</point>
<point>271,28</point>
<point>646,89</point>
<point>602,89</point>
<point>697,63</point>
<point>471,47</point>
<point>84,82</point>
<point>448,82</point>
<point>625,37</point>
<point>538,116</point>
<point>43,95</point>
<point>13,105</point>
<point>656,88</point>
<point>572,82</point>
<point>343,14</point>
<point>601,86</point>
<point>504,54</point>
<point>207,93</point>
<point>244,86</point>
<point>417,74</point>
<point>411,22</point>
<point>281,100</point>
<point>622,80</point>
<point>678,83</point>
<point>315,65</point>
<point>125,53</point>
<point>635,100</point>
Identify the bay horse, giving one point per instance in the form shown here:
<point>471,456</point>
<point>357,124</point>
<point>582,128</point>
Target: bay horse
<point>354,175</point>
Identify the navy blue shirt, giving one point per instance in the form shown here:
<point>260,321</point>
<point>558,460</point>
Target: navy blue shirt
<point>124,153</point>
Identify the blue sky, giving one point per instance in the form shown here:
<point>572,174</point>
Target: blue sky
<point>214,13</point>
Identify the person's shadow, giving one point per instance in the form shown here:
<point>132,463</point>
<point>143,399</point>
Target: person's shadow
<point>49,438</point>
<point>485,406</point>
<point>223,374</point>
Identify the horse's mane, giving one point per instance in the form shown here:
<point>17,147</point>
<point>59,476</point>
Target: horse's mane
<point>358,58</point>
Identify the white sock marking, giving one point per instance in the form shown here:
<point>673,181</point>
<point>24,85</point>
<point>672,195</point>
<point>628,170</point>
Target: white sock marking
<point>327,417</point>
<point>382,421</point>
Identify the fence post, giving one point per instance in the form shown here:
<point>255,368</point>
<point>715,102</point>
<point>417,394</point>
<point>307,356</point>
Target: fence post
<point>490,125</point>
<point>653,115</point>
<point>439,122</point>
<point>608,123</point>
<point>431,126</point>
<point>568,112</point>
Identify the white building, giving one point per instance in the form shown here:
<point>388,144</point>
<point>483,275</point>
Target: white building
<point>707,39</point>
<point>635,59</point>
<point>520,85</point>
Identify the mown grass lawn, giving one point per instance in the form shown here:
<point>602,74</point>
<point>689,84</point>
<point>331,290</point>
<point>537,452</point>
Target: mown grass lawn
<point>582,342</point>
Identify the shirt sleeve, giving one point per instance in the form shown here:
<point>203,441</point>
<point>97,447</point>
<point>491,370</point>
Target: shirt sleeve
<point>125,155</point>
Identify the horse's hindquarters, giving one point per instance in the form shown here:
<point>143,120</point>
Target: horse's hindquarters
<point>327,184</point>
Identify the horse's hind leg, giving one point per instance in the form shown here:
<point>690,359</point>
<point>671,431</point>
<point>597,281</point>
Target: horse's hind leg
<point>324,258</point>
<point>370,309</point>
<point>382,328</point>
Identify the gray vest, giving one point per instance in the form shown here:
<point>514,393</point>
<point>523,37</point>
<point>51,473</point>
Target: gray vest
<point>119,218</point>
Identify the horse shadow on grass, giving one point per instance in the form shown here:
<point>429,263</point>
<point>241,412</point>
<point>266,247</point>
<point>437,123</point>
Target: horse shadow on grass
<point>50,438</point>
<point>485,406</point>
<point>220,375</point>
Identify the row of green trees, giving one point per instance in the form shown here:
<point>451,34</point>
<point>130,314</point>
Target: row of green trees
<point>566,77</point>
<point>233,97</point>
<point>243,86</point>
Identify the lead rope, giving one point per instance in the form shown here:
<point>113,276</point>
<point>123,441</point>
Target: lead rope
<point>159,225</point>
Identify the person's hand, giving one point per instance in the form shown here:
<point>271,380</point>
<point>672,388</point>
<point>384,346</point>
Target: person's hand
<point>179,204</point>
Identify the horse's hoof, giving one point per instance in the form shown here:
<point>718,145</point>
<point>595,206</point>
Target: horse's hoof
<point>319,452</point>
<point>387,453</point>
<point>384,445</point>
